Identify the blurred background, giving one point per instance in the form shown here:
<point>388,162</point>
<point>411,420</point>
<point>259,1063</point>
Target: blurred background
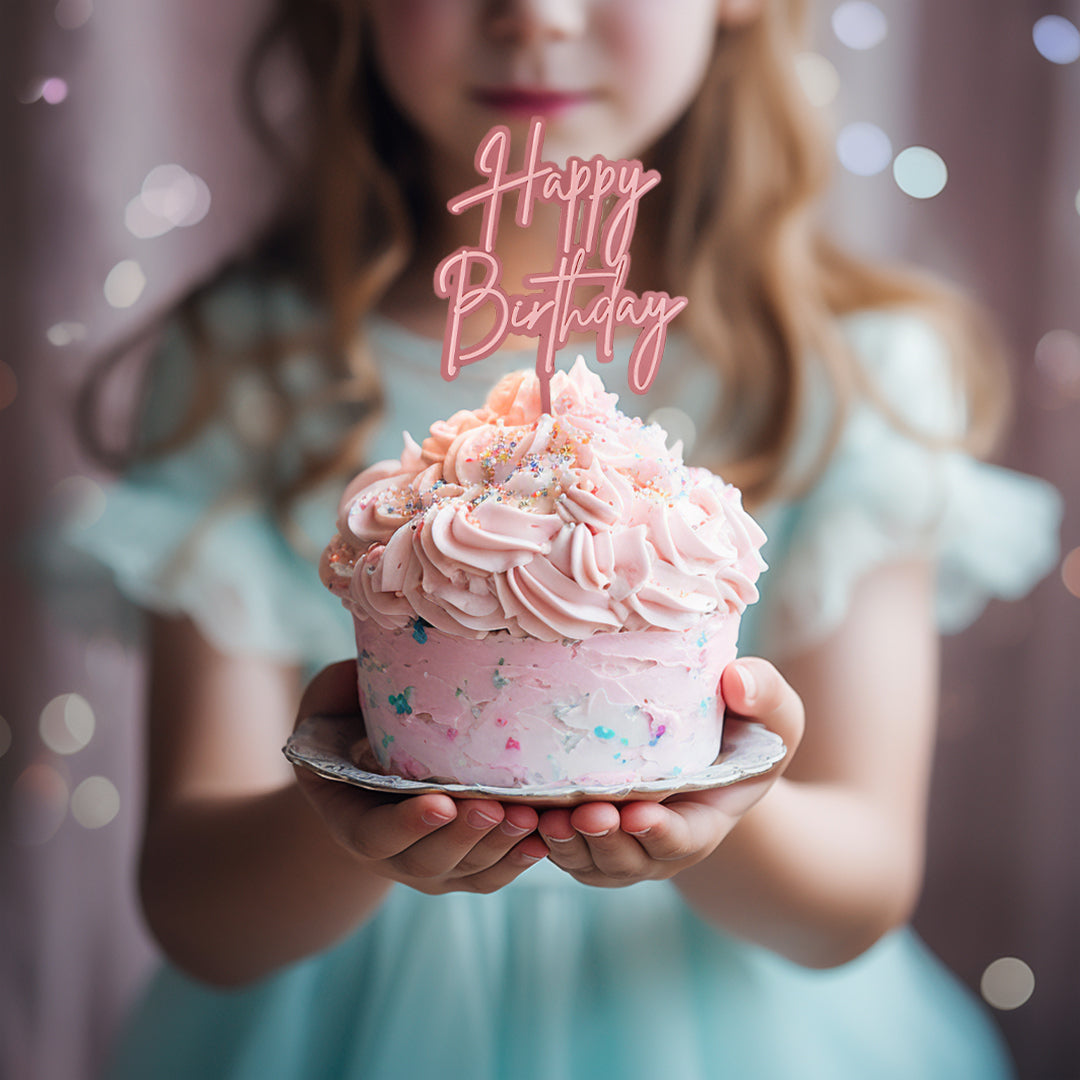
<point>127,174</point>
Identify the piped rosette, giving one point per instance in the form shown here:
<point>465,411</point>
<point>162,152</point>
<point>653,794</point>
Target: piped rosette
<point>516,528</point>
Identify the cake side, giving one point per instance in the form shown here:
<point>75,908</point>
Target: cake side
<point>511,711</point>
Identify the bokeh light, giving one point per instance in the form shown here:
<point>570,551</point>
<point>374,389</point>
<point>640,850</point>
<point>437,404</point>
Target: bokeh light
<point>820,80</point>
<point>39,802</point>
<point>9,385</point>
<point>95,802</point>
<point>1057,39</point>
<point>677,424</point>
<point>30,92</point>
<point>66,724</point>
<point>1057,358</point>
<point>54,91</point>
<point>5,736</point>
<point>863,148</point>
<point>1007,983</point>
<point>171,197</point>
<point>78,501</point>
<point>62,334</point>
<point>859,24</point>
<point>920,172</point>
<point>71,14</point>
<point>124,284</point>
<point>1070,572</point>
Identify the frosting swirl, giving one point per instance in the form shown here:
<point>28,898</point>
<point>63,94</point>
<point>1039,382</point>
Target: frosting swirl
<point>549,526</point>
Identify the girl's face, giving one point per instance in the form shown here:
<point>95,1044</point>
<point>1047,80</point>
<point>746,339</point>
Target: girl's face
<point>609,76</point>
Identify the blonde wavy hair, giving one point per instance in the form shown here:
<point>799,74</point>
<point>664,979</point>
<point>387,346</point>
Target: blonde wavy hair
<point>733,227</point>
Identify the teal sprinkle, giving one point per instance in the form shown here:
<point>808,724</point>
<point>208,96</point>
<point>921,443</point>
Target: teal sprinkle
<point>502,660</point>
<point>625,742</point>
<point>458,692</point>
<point>603,732</point>
<point>499,680</point>
<point>419,633</point>
<point>401,701</point>
<point>387,740</point>
<point>702,640</point>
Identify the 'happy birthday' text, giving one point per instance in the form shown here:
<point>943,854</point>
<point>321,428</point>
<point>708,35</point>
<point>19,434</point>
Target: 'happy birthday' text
<point>598,202</point>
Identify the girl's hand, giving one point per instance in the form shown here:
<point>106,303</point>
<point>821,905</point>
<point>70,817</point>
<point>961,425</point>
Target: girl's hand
<point>429,842</point>
<point>610,846</point>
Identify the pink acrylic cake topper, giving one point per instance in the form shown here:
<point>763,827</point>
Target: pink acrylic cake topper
<point>599,201</point>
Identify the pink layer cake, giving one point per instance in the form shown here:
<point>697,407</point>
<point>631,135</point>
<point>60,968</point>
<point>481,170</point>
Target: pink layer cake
<point>543,598</point>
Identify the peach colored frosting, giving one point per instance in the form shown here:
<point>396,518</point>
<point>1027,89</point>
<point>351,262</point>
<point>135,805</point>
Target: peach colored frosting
<point>548,526</point>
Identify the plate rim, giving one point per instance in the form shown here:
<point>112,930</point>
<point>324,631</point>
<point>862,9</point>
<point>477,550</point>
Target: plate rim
<point>762,749</point>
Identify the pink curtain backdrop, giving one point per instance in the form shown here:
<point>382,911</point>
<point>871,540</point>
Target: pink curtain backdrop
<point>148,84</point>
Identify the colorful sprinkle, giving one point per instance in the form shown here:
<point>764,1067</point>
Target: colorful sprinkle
<point>500,721</point>
<point>603,732</point>
<point>512,744</point>
<point>387,740</point>
<point>452,733</point>
<point>419,633</point>
<point>499,680</point>
<point>401,701</point>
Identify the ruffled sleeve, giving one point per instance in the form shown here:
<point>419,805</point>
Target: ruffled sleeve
<point>886,496</point>
<point>191,533</point>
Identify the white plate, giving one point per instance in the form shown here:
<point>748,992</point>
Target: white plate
<point>331,747</point>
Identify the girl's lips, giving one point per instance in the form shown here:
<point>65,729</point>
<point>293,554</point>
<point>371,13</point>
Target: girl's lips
<point>523,100</point>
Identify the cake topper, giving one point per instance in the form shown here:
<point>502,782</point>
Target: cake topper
<point>599,207</point>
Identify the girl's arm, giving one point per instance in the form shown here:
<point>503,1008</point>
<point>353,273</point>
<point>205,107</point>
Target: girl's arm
<point>239,873</point>
<point>833,857</point>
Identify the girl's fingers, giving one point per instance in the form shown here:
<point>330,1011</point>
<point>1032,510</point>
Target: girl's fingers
<point>613,853</point>
<point>524,854</point>
<point>497,843</point>
<point>672,833</point>
<point>441,852</point>
<point>754,689</point>
<point>333,692</point>
<point>373,826</point>
<point>566,846</point>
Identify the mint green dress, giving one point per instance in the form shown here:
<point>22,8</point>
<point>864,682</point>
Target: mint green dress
<point>549,979</point>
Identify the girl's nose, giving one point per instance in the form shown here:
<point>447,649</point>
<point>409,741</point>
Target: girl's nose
<point>529,20</point>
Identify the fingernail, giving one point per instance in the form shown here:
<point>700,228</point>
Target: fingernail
<point>746,678</point>
<point>556,839</point>
<point>594,835</point>
<point>531,858</point>
<point>479,820</point>
<point>511,829</point>
<point>640,832</point>
<point>434,819</point>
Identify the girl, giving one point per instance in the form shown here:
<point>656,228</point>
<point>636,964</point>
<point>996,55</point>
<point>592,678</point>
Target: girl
<point>316,930</point>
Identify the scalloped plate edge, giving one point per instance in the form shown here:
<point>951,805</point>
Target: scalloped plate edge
<point>327,746</point>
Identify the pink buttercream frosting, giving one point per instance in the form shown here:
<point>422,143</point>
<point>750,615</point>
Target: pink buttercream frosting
<point>551,526</point>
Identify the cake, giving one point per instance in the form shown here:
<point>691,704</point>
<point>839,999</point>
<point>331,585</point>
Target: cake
<point>543,598</point>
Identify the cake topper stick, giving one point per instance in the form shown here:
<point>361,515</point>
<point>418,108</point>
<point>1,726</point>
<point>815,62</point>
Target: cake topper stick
<point>599,201</point>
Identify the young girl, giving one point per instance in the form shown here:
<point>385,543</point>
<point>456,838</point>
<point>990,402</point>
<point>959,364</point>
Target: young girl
<point>316,930</point>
